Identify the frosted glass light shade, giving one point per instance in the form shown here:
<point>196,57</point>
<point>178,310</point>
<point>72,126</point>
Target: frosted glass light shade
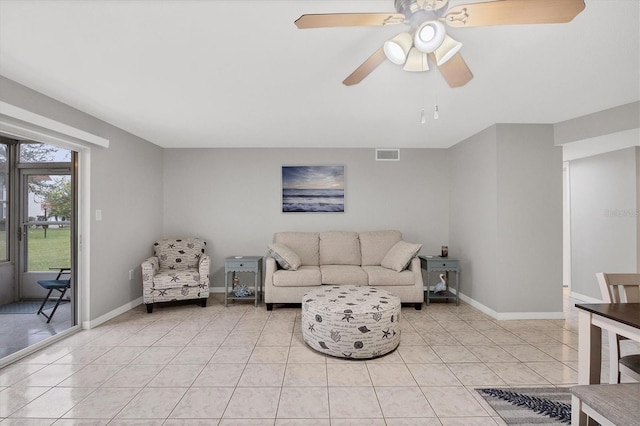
<point>429,36</point>
<point>397,48</point>
<point>447,50</point>
<point>416,61</point>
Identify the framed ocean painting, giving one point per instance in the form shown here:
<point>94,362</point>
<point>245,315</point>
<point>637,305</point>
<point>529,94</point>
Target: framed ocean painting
<point>313,189</point>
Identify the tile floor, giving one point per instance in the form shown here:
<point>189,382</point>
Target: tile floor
<point>187,365</point>
<point>19,331</point>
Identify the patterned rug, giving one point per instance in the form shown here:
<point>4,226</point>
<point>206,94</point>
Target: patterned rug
<point>25,307</point>
<point>524,406</point>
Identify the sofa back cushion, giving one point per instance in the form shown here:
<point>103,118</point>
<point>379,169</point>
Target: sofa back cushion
<point>179,253</point>
<point>339,248</point>
<point>305,244</point>
<point>374,245</point>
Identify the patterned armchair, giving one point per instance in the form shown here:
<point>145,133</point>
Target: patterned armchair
<point>178,270</point>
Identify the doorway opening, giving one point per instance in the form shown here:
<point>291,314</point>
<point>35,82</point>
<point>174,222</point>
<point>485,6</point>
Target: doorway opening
<point>38,204</point>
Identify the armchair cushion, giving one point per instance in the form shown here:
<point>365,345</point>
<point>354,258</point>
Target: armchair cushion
<point>169,278</point>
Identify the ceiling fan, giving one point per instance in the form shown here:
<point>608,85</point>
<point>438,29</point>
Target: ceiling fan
<point>427,40</point>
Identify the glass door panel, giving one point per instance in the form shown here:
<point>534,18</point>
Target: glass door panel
<point>45,228</point>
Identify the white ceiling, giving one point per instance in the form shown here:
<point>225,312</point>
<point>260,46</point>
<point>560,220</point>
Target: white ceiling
<point>233,73</point>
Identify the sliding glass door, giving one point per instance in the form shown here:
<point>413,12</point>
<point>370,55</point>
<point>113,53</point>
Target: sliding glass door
<point>38,233</point>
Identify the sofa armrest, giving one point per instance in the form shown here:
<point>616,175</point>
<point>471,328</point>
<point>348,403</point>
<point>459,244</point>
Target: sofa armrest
<point>204,266</point>
<point>415,267</point>
<point>150,267</point>
<point>270,265</point>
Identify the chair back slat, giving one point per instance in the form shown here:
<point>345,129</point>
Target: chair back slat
<point>619,287</point>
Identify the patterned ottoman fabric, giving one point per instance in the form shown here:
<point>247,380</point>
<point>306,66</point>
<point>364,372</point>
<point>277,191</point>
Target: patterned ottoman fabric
<point>351,321</point>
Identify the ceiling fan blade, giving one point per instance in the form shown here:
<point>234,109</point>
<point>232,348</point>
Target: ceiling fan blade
<point>366,68</point>
<point>455,71</point>
<point>348,20</point>
<point>512,12</point>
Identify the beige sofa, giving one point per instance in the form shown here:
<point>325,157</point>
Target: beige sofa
<point>299,261</point>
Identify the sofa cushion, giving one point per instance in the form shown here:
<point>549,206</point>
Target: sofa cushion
<point>304,244</point>
<point>343,274</point>
<point>381,276</point>
<point>374,245</point>
<point>339,248</point>
<point>400,255</point>
<point>305,276</point>
<point>286,258</point>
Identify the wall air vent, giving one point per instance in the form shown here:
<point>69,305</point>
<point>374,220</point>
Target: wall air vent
<point>387,155</point>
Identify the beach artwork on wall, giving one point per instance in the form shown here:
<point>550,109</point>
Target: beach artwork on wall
<point>313,189</point>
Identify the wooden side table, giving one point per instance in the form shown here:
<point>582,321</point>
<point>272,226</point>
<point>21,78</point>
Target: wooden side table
<point>233,265</point>
<point>441,264</point>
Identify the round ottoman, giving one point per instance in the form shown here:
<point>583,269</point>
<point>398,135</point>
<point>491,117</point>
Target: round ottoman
<point>351,321</point>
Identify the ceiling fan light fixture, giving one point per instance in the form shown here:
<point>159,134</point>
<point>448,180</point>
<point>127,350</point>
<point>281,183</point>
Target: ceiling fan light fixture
<point>397,49</point>
<point>429,36</point>
<point>416,61</point>
<point>447,50</point>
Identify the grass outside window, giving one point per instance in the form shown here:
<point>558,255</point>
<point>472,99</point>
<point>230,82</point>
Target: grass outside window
<point>54,251</point>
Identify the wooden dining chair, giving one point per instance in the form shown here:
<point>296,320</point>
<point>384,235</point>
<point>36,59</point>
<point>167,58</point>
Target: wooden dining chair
<point>620,288</point>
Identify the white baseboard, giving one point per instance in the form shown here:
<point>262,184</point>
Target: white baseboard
<point>493,314</point>
<point>112,314</point>
<point>583,298</point>
<point>510,315</point>
<point>127,307</point>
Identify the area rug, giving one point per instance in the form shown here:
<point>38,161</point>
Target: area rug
<point>25,307</point>
<point>523,406</point>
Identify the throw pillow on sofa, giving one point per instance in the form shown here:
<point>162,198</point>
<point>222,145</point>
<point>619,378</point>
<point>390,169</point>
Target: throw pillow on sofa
<point>400,255</point>
<point>286,258</point>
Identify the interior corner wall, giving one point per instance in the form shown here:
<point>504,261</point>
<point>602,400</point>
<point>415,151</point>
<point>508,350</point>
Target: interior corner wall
<point>232,197</point>
<point>604,217</point>
<point>473,214</point>
<point>126,185</point>
<point>530,239</point>
<point>506,218</point>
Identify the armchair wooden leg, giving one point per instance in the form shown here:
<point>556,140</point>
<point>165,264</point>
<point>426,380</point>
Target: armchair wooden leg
<point>149,308</point>
<point>269,306</point>
<point>418,306</point>
<point>203,303</point>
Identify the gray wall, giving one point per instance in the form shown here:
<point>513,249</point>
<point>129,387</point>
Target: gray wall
<point>232,197</point>
<point>126,184</point>
<point>473,212</point>
<point>506,218</point>
<point>529,261</point>
<point>494,199</point>
<point>604,217</point>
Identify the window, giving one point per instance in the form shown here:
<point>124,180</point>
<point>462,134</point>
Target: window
<point>34,152</point>
<point>45,173</point>
<point>4,193</point>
